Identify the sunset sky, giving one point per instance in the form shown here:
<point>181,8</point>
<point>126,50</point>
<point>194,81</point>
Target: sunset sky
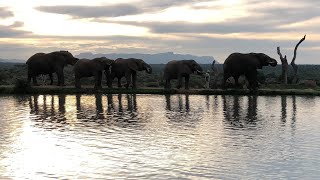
<point>199,27</point>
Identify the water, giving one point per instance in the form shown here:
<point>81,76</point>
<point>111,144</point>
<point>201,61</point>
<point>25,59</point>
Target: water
<point>159,137</point>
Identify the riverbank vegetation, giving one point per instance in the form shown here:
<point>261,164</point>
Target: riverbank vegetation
<point>13,74</point>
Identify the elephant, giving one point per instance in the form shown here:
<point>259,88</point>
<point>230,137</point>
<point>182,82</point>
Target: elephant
<point>177,69</point>
<point>89,68</point>
<point>127,68</point>
<point>48,63</point>
<point>238,64</point>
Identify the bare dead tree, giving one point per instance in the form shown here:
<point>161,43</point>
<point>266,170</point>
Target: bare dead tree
<point>285,64</point>
<point>293,64</point>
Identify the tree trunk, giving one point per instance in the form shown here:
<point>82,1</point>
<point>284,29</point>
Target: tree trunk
<point>284,67</point>
<point>285,75</point>
<point>285,64</point>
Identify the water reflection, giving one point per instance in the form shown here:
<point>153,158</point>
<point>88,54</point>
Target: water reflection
<point>44,108</point>
<point>238,112</point>
<point>124,136</point>
<point>179,112</point>
<point>294,112</point>
<point>285,108</point>
<point>182,106</point>
<point>39,107</point>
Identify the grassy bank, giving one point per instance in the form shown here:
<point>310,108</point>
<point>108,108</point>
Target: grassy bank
<point>89,90</point>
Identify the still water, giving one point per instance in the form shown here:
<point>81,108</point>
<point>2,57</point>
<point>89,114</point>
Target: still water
<point>159,137</point>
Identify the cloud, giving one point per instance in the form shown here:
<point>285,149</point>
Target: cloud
<point>262,17</point>
<point>10,31</point>
<point>216,28</point>
<point>217,47</point>
<point>5,13</point>
<point>116,10</point>
<point>92,11</point>
<point>256,30</point>
<point>163,4</point>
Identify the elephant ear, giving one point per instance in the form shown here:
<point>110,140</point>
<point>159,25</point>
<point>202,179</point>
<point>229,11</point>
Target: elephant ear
<point>101,63</point>
<point>189,66</point>
<point>133,65</point>
<point>260,58</point>
<point>58,58</point>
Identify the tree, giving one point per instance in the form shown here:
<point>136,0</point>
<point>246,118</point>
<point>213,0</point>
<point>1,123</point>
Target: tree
<point>285,64</point>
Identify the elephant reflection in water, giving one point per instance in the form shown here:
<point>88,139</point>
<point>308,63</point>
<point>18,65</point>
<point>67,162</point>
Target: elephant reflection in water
<point>112,109</point>
<point>178,112</point>
<point>123,117</point>
<point>82,113</point>
<point>131,101</point>
<point>180,103</point>
<point>41,112</point>
<point>113,112</point>
<point>235,115</point>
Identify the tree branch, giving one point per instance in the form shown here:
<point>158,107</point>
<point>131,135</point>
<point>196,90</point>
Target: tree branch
<point>295,50</point>
<point>283,59</point>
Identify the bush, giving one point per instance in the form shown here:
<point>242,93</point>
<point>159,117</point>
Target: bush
<point>21,86</point>
<point>261,77</point>
<point>151,84</point>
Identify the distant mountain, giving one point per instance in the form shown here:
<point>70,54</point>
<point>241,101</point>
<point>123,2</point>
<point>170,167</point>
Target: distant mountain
<point>160,58</point>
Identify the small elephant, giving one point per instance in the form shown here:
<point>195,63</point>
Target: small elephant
<point>127,68</point>
<point>89,68</point>
<point>238,64</point>
<point>54,62</point>
<point>178,69</point>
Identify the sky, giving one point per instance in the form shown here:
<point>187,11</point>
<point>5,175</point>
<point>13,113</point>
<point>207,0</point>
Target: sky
<point>200,27</point>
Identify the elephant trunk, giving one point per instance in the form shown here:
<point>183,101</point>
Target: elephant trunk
<point>148,69</point>
<point>273,62</point>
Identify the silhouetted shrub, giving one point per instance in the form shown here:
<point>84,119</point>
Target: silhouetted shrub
<point>2,76</point>
<point>261,77</point>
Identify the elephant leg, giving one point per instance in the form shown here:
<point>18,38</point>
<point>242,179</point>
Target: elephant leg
<point>226,76</point>
<point>34,79</point>
<point>252,78</point>
<point>167,84</point>
<point>97,78</point>
<point>179,82</point>
<point>109,78</point>
<point>134,80</point>
<point>236,81</point>
<point>51,78</point>
<point>60,77</point>
<point>128,79</point>
<point>186,82</point>
<point>77,82</point>
<point>119,82</point>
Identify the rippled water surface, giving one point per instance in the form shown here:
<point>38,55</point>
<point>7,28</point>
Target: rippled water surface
<point>159,137</point>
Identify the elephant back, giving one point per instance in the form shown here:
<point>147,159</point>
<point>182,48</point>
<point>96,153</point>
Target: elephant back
<point>36,57</point>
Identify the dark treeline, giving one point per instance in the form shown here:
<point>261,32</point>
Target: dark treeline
<point>9,72</point>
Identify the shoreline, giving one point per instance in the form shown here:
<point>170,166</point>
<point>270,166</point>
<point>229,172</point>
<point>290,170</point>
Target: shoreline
<point>9,90</point>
